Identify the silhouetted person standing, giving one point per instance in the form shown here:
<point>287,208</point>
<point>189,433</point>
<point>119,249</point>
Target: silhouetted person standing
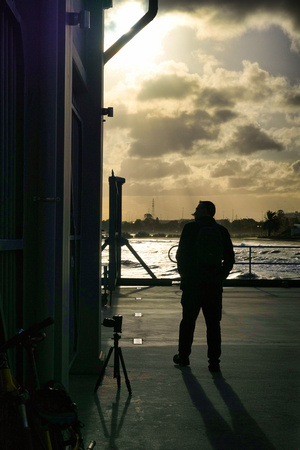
<point>205,257</point>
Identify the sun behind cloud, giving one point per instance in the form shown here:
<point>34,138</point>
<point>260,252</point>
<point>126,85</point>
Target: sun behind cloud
<point>143,49</point>
<point>191,120</point>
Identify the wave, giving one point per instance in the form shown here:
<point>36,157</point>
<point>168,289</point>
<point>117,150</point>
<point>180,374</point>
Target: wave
<point>247,276</point>
<point>267,261</point>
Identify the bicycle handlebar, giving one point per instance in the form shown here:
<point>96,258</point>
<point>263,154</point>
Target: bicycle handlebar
<point>32,331</point>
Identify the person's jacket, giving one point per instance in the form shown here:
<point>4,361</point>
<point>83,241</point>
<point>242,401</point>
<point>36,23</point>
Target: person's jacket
<point>186,254</point>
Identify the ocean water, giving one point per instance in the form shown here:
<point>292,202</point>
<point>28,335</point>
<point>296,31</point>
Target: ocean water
<point>269,259</point>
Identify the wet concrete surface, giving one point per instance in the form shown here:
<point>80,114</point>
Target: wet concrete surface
<point>253,403</point>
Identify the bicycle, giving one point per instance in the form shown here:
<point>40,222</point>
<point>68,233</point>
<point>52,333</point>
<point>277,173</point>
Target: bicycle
<point>34,417</point>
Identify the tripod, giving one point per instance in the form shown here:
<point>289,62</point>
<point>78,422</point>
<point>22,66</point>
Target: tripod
<point>117,357</point>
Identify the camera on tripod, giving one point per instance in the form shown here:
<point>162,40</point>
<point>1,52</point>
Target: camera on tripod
<point>115,322</point>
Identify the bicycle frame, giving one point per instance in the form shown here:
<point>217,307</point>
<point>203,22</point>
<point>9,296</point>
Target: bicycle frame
<point>38,431</point>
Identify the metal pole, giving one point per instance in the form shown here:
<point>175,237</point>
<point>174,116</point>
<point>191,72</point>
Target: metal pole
<point>250,262</point>
<point>147,18</point>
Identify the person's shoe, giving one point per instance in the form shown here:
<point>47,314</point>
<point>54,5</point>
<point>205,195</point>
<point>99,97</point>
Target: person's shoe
<point>214,366</point>
<point>181,361</point>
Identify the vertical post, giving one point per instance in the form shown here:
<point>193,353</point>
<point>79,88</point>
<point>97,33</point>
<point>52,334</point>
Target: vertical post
<point>115,229</point>
<point>91,103</point>
<point>46,235</point>
<point>250,257</point>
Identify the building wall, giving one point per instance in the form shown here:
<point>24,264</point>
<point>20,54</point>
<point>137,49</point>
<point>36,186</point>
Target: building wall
<point>11,172</point>
<point>62,165</point>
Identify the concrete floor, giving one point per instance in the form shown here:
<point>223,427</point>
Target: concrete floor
<point>252,404</point>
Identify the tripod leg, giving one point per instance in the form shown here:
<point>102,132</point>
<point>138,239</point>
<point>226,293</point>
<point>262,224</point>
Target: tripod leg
<point>101,375</point>
<point>125,371</point>
<point>117,374</point>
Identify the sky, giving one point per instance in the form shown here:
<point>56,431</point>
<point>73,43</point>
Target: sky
<point>206,107</point>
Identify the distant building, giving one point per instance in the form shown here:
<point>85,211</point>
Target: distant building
<point>295,230</point>
<point>293,215</point>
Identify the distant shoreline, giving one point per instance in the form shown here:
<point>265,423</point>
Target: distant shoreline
<point>145,235</point>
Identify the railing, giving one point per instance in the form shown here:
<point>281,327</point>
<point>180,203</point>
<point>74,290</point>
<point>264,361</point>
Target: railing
<point>251,263</point>
<point>246,255</point>
<point>249,260</point>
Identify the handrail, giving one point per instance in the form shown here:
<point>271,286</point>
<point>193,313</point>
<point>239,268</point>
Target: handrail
<point>250,261</point>
<point>247,280</point>
<point>134,30</point>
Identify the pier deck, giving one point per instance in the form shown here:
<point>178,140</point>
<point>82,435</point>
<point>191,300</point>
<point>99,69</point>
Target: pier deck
<point>252,404</point>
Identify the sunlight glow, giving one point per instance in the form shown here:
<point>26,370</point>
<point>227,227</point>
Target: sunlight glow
<point>119,20</point>
<point>205,105</point>
<point>143,48</point>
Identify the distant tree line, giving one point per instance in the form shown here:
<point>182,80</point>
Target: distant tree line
<point>275,223</point>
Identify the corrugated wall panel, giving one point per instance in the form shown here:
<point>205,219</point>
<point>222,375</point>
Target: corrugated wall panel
<point>11,169</point>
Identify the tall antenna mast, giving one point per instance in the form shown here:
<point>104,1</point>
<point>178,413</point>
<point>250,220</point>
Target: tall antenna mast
<point>153,210</point>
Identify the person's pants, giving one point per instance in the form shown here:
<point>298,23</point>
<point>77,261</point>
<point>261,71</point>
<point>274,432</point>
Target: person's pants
<point>210,300</point>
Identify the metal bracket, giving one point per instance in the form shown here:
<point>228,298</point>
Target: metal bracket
<point>107,4</point>
<point>82,18</point>
<point>108,112</point>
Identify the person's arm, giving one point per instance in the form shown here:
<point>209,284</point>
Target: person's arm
<point>183,254</point>
<point>180,253</point>
<point>229,258</point>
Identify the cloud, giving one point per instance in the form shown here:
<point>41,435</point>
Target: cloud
<point>166,86</point>
<point>230,177</point>
<point>251,84</point>
<point>232,17</point>
<point>240,182</point>
<point>239,7</point>
<point>257,176</point>
<point>234,8</point>
<point>214,97</point>
<point>226,168</point>
<point>250,138</point>
<point>224,115</point>
<point>293,99</point>
<point>239,112</point>
<point>296,167</point>
<point>136,168</point>
<point>192,120</point>
<point>158,135</point>
<point>237,173</point>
